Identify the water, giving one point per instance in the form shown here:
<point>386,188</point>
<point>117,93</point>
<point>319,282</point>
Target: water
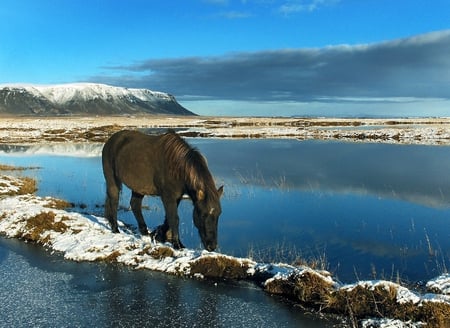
<point>362,211</point>
<point>370,210</point>
<point>43,290</point>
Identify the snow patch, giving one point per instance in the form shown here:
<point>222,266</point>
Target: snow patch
<point>390,323</point>
<point>440,284</point>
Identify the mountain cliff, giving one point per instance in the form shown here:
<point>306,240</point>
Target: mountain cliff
<point>86,99</point>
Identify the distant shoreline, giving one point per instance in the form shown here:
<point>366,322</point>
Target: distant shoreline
<point>32,129</point>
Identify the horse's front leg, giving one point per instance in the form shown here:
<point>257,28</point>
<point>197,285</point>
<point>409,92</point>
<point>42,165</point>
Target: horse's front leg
<point>172,222</point>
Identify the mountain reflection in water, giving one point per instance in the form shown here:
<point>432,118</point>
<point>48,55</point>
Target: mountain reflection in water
<point>364,210</point>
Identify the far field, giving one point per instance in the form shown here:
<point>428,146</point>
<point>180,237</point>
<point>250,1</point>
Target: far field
<point>430,131</point>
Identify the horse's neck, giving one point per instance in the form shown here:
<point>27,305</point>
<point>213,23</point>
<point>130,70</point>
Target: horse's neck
<point>198,179</point>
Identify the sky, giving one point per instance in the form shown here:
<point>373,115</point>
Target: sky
<point>241,57</point>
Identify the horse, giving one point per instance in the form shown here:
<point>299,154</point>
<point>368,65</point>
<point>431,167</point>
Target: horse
<point>165,166</point>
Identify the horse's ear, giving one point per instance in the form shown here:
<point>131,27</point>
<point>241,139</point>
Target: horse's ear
<point>220,191</point>
<point>200,195</point>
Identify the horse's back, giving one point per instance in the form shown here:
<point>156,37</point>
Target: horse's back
<point>130,157</point>
<point>122,138</point>
<point>125,141</point>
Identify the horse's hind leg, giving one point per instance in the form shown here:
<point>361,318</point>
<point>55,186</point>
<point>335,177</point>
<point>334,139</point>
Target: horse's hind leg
<point>111,203</point>
<point>136,206</point>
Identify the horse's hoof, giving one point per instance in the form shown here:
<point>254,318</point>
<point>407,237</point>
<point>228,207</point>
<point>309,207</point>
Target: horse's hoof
<point>144,232</point>
<point>158,235</point>
<point>177,245</point>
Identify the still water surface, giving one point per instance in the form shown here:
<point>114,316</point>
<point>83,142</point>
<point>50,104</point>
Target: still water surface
<point>43,290</point>
<point>362,210</point>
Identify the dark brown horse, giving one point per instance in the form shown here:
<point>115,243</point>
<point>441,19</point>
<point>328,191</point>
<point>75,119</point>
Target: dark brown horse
<point>165,166</point>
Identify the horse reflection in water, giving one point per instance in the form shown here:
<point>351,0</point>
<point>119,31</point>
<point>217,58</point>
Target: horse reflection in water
<point>165,166</point>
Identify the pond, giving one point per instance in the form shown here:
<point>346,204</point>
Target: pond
<point>359,210</point>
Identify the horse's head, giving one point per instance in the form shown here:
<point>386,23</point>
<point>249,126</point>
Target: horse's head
<point>206,215</point>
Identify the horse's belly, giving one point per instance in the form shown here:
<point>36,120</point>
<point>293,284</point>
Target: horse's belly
<point>141,184</point>
<point>137,174</point>
<point>143,189</point>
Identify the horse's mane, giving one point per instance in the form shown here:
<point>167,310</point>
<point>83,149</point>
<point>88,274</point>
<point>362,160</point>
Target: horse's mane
<point>186,162</point>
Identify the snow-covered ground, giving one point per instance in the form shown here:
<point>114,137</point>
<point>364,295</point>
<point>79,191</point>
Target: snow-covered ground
<point>82,237</point>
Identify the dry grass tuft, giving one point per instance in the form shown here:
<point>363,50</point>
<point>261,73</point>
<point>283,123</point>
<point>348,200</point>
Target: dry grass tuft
<point>145,250</point>
<point>58,204</point>
<point>307,287</point>
<point>112,257</point>
<point>435,314</point>
<point>99,134</point>
<point>93,134</point>
<point>362,302</point>
<point>3,216</point>
<point>43,222</point>
<point>27,186</point>
<point>4,167</point>
<point>17,186</point>
<point>220,266</point>
<point>381,301</point>
<point>161,252</point>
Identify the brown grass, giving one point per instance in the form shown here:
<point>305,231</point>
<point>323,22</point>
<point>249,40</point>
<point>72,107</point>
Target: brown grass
<point>335,123</point>
<point>94,134</point>
<point>58,204</point>
<point>4,167</point>
<point>362,302</point>
<point>112,257</point>
<point>307,287</point>
<point>220,266</point>
<point>25,186</point>
<point>28,186</point>
<point>99,134</point>
<point>435,314</point>
<point>161,252</point>
<point>310,289</point>
<point>39,224</point>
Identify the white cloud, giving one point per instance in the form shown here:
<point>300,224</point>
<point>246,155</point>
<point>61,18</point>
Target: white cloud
<point>297,6</point>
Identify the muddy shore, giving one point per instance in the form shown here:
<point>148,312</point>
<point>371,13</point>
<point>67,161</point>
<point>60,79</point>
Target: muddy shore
<point>29,130</point>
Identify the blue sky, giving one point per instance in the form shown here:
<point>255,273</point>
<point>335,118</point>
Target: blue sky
<point>241,57</point>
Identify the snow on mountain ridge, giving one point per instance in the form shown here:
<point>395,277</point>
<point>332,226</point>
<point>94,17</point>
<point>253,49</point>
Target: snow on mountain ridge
<point>64,93</point>
<point>85,98</point>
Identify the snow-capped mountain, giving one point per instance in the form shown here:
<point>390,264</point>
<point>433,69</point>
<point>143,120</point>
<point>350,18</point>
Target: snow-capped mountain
<point>85,98</point>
